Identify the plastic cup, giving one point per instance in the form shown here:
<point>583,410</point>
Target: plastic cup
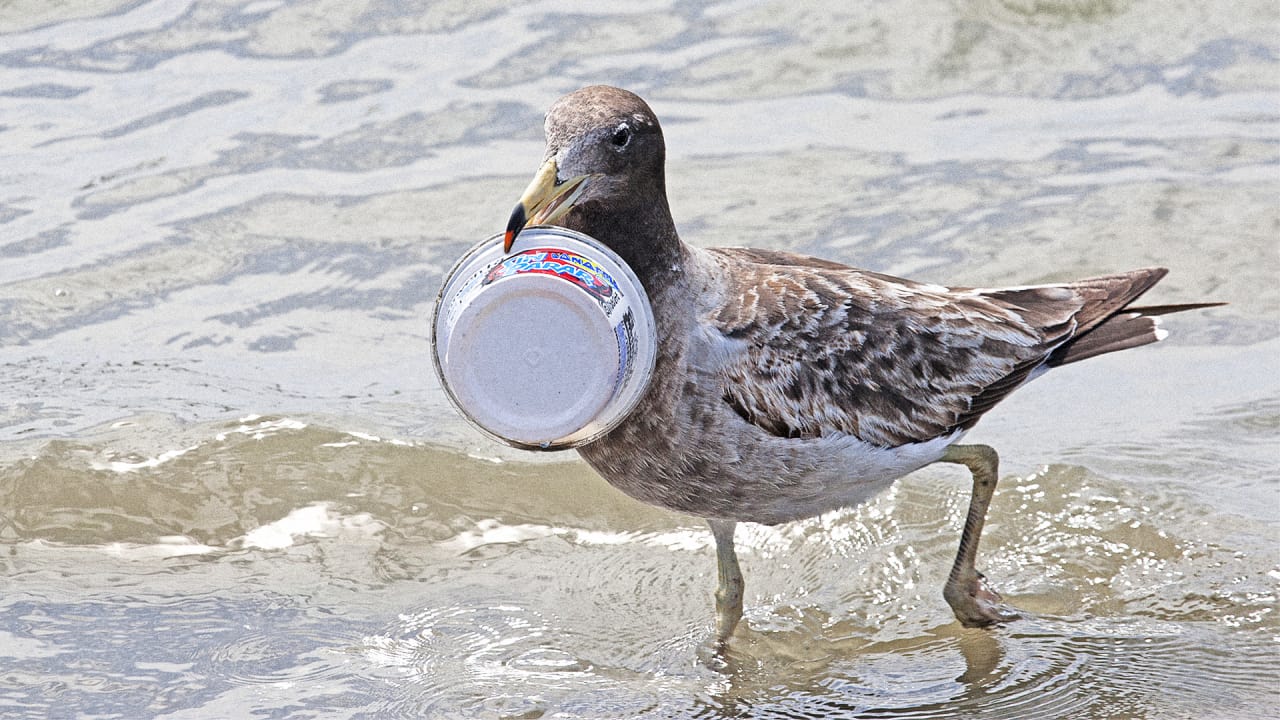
<point>547,347</point>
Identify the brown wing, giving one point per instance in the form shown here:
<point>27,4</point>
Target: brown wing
<point>834,349</point>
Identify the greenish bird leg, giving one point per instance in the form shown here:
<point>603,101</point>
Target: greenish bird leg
<point>731,584</point>
<point>973,601</point>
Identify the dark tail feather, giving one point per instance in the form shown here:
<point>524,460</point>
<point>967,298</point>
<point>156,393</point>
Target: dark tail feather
<point>1170,309</point>
<point>1127,328</point>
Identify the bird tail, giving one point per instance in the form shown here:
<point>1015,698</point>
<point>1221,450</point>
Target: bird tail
<point>1128,328</point>
<point>1107,322</point>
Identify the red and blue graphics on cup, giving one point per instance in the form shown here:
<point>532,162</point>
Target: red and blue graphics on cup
<point>570,266</point>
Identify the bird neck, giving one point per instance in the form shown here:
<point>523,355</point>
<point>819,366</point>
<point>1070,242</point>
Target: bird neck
<point>646,240</point>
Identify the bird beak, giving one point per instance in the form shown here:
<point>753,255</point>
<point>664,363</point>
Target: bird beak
<point>546,200</point>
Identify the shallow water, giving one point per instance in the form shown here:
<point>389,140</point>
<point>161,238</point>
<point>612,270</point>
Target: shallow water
<point>230,486</point>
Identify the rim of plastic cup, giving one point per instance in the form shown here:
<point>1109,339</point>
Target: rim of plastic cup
<point>632,389</point>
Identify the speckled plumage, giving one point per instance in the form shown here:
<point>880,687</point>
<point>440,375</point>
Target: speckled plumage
<point>786,386</point>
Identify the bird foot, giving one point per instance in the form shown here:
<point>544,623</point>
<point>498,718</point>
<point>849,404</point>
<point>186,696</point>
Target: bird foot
<point>975,603</point>
<point>714,654</point>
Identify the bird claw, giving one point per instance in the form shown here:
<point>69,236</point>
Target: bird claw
<point>976,604</point>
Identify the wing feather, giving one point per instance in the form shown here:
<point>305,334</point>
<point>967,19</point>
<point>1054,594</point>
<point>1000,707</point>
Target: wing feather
<point>831,349</point>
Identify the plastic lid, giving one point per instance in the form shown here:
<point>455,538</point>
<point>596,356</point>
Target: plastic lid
<point>532,358</point>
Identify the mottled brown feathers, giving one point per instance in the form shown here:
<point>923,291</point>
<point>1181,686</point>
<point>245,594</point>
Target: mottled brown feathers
<point>787,385</point>
<point>827,348</point>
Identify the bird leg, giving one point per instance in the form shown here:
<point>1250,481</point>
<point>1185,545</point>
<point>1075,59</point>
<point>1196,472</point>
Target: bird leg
<point>974,603</point>
<point>731,584</point>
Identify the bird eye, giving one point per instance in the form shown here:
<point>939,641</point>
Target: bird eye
<point>621,136</point>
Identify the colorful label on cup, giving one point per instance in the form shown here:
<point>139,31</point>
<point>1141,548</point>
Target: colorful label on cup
<point>626,332</point>
<point>570,266</point>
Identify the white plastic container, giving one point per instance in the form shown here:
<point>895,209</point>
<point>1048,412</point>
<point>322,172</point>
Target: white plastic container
<point>547,347</point>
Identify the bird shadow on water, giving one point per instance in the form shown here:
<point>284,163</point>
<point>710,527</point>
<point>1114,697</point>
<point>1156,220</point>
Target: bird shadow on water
<point>785,674</point>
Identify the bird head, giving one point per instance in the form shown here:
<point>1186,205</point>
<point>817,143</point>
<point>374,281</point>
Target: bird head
<point>604,145</point>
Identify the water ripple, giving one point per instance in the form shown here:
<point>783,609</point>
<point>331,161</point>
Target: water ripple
<point>498,660</point>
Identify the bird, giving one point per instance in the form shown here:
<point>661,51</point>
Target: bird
<point>786,386</point>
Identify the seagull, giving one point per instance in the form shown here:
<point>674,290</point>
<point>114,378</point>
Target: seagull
<point>786,386</point>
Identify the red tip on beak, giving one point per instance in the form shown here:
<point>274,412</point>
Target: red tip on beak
<point>514,226</point>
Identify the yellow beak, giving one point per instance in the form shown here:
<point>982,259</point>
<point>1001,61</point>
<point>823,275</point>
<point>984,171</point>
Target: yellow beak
<point>546,200</point>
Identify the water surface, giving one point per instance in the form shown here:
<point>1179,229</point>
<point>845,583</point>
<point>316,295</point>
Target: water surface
<point>230,485</point>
